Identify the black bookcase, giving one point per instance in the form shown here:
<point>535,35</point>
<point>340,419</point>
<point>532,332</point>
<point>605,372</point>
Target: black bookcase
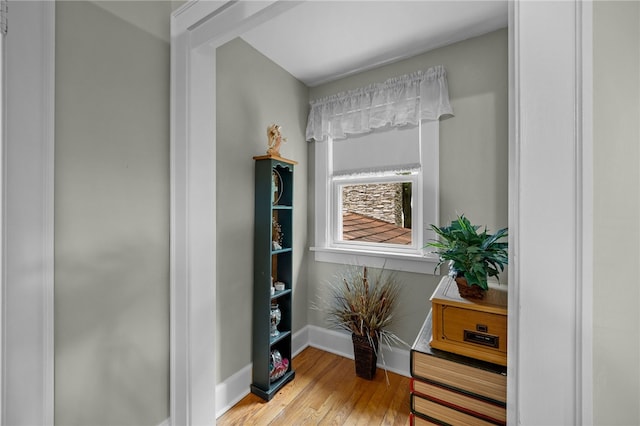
<point>272,263</point>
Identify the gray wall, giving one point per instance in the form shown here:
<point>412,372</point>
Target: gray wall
<point>253,93</point>
<point>111,218</point>
<point>473,156</point>
<point>616,294</point>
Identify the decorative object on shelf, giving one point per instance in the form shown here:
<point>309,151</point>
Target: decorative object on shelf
<point>276,316</point>
<point>472,256</point>
<point>276,184</point>
<point>274,134</point>
<point>279,286</point>
<point>364,306</point>
<point>278,366</point>
<point>276,235</point>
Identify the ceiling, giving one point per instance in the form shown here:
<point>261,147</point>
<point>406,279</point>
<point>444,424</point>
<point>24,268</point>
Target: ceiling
<point>320,41</point>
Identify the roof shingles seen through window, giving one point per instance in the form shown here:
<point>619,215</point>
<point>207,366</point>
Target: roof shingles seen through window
<point>357,227</point>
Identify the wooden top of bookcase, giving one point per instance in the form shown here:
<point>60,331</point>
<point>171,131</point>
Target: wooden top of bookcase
<point>275,157</point>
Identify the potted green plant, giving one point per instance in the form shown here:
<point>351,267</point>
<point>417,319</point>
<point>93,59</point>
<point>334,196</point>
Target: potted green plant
<point>473,256</point>
<point>364,306</point>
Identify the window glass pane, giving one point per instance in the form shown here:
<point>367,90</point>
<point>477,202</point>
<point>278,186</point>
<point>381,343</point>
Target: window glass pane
<point>377,212</point>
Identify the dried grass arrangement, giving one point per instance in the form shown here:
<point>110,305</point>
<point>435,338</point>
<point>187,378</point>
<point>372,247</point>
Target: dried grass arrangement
<point>364,305</point>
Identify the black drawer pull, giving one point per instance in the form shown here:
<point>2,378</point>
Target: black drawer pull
<point>482,339</point>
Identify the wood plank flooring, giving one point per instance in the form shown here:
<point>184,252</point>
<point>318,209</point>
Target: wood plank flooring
<point>326,391</point>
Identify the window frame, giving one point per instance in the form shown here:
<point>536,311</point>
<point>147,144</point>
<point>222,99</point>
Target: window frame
<point>425,212</point>
<point>336,224</point>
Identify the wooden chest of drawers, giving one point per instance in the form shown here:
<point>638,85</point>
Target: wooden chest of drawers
<point>474,328</point>
<point>448,388</point>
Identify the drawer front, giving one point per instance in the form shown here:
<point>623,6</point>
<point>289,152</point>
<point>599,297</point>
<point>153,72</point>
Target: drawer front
<point>475,328</point>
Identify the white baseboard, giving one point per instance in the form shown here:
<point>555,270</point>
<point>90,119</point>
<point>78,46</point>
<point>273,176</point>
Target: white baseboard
<point>232,390</point>
<point>299,341</point>
<point>236,387</point>
<point>393,359</point>
<point>330,341</point>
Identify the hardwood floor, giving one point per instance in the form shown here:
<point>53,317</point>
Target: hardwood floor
<point>326,391</point>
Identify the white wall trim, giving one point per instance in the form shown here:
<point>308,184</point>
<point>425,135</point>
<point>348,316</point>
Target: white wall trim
<point>232,390</point>
<point>553,310</point>
<point>395,359</point>
<point>299,341</point>
<point>585,162</point>
<point>420,264</point>
<point>48,183</point>
<point>513,395</point>
<point>197,29</point>
<point>27,216</point>
<point>2,210</point>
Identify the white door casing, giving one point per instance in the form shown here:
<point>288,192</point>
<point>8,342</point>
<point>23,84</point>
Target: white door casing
<point>197,29</point>
<point>553,310</point>
<point>550,218</point>
<point>27,215</point>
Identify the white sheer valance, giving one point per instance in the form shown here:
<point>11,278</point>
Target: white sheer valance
<point>399,101</point>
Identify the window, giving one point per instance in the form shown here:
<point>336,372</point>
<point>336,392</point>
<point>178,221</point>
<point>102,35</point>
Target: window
<point>375,210</point>
<point>372,143</point>
<point>376,195</point>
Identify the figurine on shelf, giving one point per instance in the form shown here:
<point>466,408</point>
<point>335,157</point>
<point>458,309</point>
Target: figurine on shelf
<point>278,365</point>
<point>276,232</point>
<point>275,139</point>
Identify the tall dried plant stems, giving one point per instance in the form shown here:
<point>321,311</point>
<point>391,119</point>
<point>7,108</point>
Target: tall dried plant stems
<point>364,305</point>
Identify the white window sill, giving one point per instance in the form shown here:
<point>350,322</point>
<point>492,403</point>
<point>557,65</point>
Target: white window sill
<point>390,261</point>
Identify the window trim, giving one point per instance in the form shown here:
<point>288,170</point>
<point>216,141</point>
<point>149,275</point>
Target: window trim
<point>417,260</point>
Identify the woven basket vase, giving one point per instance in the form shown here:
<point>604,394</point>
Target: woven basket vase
<point>469,291</point>
<point>365,356</point>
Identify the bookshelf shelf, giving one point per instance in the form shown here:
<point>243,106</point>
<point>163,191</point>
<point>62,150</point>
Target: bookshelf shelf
<point>282,336</point>
<point>278,294</point>
<point>284,250</point>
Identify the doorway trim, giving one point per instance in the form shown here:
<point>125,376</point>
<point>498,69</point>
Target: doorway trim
<point>197,29</point>
<point>550,373</point>
<point>200,26</point>
<point>27,268</point>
